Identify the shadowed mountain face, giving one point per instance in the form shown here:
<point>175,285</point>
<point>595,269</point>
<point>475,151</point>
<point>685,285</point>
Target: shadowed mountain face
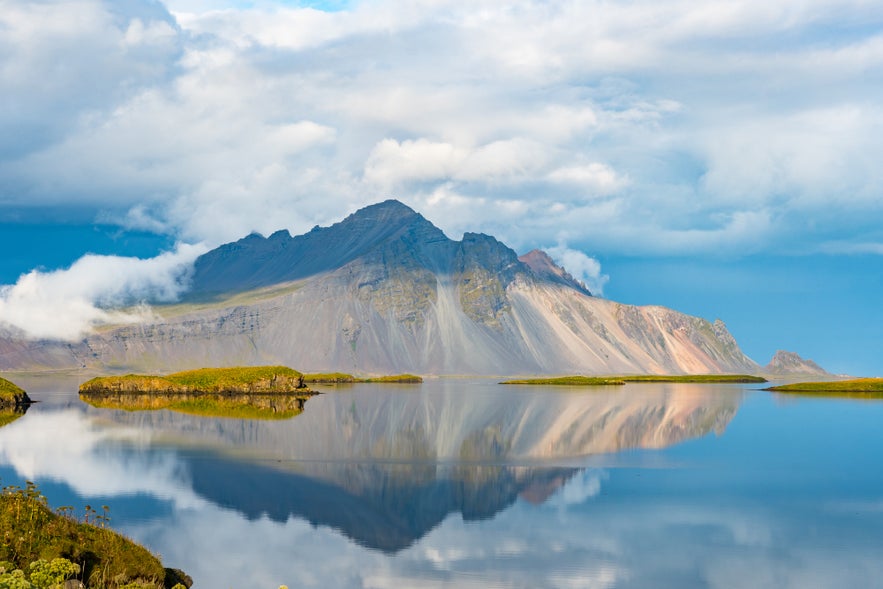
<point>255,261</point>
<point>386,291</point>
<point>386,466</point>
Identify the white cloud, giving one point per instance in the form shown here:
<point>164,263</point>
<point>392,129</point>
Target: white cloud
<point>596,176</point>
<point>644,126</point>
<point>67,304</point>
<point>582,267</point>
<point>392,163</point>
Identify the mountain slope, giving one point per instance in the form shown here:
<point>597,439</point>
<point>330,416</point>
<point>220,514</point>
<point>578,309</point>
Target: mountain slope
<point>386,291</point>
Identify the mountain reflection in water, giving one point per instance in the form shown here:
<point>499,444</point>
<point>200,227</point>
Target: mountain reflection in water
<point>385,465</point>
<point>465,483</point>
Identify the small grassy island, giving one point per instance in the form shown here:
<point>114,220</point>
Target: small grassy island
<point>343,378</point>
<point>699,378</point>
<point>42,549</point>
<point>860,388</point>
<point>253,392</point>
<point>12,396</point>
<point>13,402</point>
<point>620,380</point>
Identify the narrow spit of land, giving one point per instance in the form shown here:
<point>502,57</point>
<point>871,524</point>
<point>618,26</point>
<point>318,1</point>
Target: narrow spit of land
<point>343,378</point>
<point>253,392</point>
<point>862,388</point>
<point>620,380</point>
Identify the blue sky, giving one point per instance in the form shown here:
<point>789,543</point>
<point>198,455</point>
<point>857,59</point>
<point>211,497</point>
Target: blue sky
<point>721,158</point>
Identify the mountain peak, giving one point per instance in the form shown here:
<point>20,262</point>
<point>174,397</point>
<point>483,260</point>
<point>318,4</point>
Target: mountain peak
<point>545,267</point>
<point>389,206</point>
<point>784,362</point>
<point>256,261</point>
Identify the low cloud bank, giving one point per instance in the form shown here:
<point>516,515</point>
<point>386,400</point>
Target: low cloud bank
<point>68,304</point>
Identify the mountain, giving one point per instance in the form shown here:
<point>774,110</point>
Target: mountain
<point>785,363</point>
<point>384,291</point>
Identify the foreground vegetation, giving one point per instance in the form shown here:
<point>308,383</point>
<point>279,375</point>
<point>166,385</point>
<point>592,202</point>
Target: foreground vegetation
<point>240,379</point>
<point>41,549</point>
<point>619,380</point>
<point>868,388</point>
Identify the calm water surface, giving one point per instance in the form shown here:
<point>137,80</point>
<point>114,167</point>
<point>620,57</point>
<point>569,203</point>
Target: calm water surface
<point>466,483</point>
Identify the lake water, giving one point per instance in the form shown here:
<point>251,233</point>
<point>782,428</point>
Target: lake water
<point>466,483</point>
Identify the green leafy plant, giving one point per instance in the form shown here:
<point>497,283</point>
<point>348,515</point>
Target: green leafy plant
<point>39,548</point>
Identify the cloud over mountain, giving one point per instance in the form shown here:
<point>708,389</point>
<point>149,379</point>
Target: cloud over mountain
<point>614,127</point>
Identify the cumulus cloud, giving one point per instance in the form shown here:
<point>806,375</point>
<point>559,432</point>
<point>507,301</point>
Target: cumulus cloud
<point>67,304</point>
<point>582,267</point>
<point>620,125</point>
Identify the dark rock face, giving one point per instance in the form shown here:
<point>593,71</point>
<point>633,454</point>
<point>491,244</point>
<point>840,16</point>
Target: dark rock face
<point>256,261</point>
<point>790,363</point>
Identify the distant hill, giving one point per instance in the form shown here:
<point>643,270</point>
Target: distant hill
<point>786,363</point>
<point>385,291</point>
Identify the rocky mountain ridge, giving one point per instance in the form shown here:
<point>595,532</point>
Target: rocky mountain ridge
<point>386,291</point>
<point>787,363</point>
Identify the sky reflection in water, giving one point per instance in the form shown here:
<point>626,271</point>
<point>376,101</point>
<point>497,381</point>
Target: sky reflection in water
<point>469,484</point>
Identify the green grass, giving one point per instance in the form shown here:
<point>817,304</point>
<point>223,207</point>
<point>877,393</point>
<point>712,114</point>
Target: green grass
<point>700,378</point>
<point>618,380</point>
<point>207,380</point>
<point>329,378</point>
<point>221,379</point>
<point>570,381</point>
<point>394,378</point>
<point>30,531</point>
<point>344,378</point>
<point>252,392</point>
<point>866,388</point>
<point>9,391</point>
